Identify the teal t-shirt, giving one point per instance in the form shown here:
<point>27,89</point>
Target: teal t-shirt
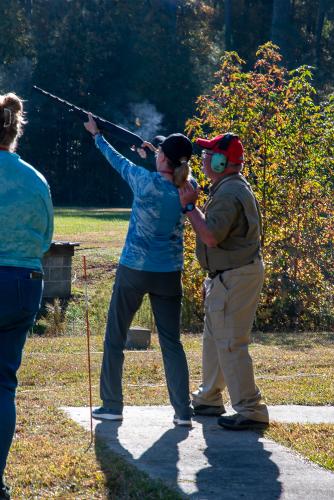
<point>26,213</point>
<point>154,241</point>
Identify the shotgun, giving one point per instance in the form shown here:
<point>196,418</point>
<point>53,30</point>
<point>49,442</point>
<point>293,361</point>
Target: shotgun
<point>118,133</point>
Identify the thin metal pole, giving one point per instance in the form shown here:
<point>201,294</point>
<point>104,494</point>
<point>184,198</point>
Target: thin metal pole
<point>88,355</point>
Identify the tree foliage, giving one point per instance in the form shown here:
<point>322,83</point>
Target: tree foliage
<point>119,57</point>
<point>113,57</point>
<point>289,142</point>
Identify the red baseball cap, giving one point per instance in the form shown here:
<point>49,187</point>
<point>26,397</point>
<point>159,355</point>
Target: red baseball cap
<point>227,144</point>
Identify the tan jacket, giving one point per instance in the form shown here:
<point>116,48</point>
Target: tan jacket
<point>232,215</point>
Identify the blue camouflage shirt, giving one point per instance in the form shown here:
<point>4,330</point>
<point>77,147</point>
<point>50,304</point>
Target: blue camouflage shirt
<point>26,213</point>
<point>154,241</point>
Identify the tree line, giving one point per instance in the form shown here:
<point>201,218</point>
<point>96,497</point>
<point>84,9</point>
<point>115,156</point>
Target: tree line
<point>141,64</point>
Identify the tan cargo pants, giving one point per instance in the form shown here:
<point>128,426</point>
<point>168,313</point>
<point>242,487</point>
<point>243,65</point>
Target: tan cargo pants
<point>230,305</point>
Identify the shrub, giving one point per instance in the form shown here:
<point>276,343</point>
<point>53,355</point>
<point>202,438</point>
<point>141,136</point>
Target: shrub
<point>288,136</point>
<point>52,323</point>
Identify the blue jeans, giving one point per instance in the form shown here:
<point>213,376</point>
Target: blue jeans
<point>20,297</point>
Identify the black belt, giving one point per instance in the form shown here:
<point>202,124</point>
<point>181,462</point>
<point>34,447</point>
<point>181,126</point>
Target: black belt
<point>213,274</point>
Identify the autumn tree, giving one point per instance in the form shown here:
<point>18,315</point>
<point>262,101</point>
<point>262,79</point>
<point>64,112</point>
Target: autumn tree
<point>289,143</point>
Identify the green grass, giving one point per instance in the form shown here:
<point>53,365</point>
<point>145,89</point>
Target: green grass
<point>78,221</point>
<point>48,458</point>
<point>100,232</point>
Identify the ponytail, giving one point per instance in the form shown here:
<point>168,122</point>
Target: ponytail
<point>181,171</point>
<point>181,174</point>
<point>11,119</point>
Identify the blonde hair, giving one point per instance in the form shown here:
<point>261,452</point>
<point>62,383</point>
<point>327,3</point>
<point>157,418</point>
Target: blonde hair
<point>11,120</point>
<point>180,172</point>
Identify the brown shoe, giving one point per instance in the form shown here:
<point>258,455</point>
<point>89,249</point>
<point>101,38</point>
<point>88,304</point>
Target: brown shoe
<point>237,422</point>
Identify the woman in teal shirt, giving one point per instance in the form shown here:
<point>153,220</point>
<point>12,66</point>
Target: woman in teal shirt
<point>151,262</point>
<point>26,222</point>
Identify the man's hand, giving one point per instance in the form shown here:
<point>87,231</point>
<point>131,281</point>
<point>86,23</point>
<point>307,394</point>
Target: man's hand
<point>188,194</point>
<point>91,126</point>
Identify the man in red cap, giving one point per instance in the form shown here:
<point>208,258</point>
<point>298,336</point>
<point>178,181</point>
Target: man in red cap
<point>228,232</point>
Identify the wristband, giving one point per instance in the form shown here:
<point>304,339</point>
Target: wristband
<point>188,208</point>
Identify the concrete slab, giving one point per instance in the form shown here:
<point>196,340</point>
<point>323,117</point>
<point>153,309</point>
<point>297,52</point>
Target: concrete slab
<point>302,414</point>
<point>207,462</point>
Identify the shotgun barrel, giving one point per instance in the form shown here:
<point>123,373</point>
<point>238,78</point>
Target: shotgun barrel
<point>118,133</point>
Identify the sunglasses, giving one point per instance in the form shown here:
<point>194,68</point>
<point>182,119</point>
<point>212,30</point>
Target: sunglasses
<point>205,154</point>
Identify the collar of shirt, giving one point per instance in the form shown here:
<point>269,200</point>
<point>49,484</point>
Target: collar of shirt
<point>217,184</point>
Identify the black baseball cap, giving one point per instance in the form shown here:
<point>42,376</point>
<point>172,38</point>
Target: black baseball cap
<point>177,146</point>
<point>157,140</point>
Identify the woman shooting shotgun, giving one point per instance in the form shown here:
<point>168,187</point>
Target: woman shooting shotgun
<point>151,262</point>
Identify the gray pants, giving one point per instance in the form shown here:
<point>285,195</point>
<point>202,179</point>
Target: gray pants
<point>165,292</point>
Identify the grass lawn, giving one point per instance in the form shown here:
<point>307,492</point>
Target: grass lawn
<point>48,458</point>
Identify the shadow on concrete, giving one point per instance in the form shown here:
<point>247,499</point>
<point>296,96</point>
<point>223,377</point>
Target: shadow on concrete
<point>220,465</point>
<point>158,462</point>
<point>238,466</point>
<point>161,460</point>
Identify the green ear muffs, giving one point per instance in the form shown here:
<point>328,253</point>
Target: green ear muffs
<point>218,162</point>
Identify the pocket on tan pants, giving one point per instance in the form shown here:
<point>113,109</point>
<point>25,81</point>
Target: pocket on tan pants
<point>215,305</point>
<point>244,286</point>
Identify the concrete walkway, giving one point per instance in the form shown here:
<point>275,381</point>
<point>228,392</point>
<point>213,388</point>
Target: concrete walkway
<point>207,462</point>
